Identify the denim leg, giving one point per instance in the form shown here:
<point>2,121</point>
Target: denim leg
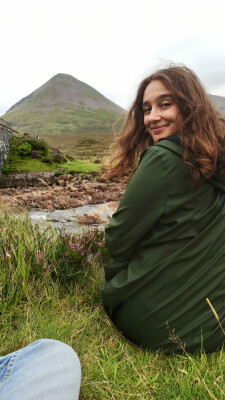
<point>45,370</point>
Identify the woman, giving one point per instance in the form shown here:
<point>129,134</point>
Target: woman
<point>167,238</point>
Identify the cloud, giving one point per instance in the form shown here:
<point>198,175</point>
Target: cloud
<point>110,46</point>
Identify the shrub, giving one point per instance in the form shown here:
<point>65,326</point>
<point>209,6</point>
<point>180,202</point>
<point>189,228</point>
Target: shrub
<point>57,156</point>
<point>47,160</point>
<point>24,149</point>
<point>35,154</point>
<point>37,144</point>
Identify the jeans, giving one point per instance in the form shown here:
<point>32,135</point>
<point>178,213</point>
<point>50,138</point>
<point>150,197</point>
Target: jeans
<point>44,370</point>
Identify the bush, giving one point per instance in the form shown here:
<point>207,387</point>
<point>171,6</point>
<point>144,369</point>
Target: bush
<point>24,149</point>
<point>37,144</point>
<point>57,156</point>
<point>47,160</point>
<point>35,154</point>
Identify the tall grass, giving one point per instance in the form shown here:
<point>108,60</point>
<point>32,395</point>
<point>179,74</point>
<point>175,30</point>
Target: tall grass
<point>33,263</point>
<point>50,287</point>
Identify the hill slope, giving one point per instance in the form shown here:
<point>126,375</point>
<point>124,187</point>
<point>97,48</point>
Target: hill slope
<point>219,103</point>
<point>64,104</point>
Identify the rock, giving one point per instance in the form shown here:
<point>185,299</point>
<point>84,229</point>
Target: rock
<point>48,196</point>
<point>49,205</point>
<point>99,198</point>
<point>74,195</point>
<point>56,188</point>
<point>113,206</point>
<point>63,177</point>
<point>86,219</point>
<point>62,203</point>
<point>73,189</point>
<point>102,186</point>
<point>67,193</point>
<point>42,182</point>
<point>26,179</point>
<point>5,138</point>
<point>61,183</point>
<point>90,219</point>
<point>90,191</point>
<point>75,203</point>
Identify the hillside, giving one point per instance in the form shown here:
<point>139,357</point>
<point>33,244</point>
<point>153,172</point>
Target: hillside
<point>219,103</point>
<point>64,105</point>
<point>29,154</point>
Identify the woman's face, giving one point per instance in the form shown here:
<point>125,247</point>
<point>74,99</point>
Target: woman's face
<point>162,117</point>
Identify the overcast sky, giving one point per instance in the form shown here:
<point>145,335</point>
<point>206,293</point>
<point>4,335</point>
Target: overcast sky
<point>110,45</point>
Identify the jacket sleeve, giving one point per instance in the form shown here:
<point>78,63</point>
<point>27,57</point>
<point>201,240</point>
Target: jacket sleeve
<point>141,206</point>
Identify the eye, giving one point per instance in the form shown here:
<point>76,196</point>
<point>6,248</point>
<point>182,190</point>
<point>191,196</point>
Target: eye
<point>165,105</point>
<point>147,110</point>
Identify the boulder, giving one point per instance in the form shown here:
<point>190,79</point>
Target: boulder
<point>90,219</point>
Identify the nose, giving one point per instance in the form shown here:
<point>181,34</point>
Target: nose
<point>154,115</point>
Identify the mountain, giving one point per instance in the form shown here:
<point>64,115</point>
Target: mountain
<point>64,105</point>
<point>219,103</point>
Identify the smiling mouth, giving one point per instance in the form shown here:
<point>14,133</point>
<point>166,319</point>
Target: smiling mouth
<point>158,129</point>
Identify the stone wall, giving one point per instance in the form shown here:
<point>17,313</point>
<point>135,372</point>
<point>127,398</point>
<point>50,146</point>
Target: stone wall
<point>26,179</point>
<point>5,137</point>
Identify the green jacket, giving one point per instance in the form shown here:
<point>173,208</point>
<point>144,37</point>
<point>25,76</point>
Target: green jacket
<point>167,243</point>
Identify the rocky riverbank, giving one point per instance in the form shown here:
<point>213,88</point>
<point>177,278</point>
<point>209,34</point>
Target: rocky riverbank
<point>68,191</point>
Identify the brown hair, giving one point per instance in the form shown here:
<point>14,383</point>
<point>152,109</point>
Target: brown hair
<point>202,130</point>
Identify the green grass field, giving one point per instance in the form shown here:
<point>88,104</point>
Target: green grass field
<point>48,291</point>
<point>28,164</point>
<point>87,147</point>
<point>81,153</point>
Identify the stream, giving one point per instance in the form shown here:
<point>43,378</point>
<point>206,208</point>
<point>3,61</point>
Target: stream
<point>72,220</point>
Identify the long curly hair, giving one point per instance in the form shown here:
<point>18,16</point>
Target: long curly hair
<point>202,131</point>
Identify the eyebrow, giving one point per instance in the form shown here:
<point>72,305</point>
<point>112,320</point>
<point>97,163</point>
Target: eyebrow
<point>161,97</point>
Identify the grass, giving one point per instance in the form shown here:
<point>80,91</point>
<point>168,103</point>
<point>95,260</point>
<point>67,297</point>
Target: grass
<point>70,119</point>
<point>80,167</point>
<point>50,159</point>
<point>87,147</point>
<point>28,164</point>
<point>50,290</point>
